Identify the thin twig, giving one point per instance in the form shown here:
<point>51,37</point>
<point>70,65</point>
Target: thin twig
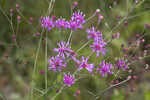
<point>53,98</point>
<point>69,38</point>
<point>46,61</point>
<point>84,45</point>
<point>27,21</point>
<point>98,96</point>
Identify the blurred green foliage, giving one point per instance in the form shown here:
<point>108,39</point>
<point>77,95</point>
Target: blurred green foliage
<point>16,75</point>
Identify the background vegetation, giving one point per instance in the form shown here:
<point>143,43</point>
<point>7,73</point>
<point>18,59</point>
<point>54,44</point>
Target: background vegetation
<point>17,62</point>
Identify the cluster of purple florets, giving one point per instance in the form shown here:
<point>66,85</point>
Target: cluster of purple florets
<point>47,22</point>
<point>99,45</point>
<point>76,22</point>
<point>69,79</point>
<point>65,53</point>
<point>121,64</point>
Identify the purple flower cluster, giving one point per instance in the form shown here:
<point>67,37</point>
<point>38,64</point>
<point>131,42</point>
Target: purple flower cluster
<point>56,63</point>
<point>84,64</point>
<point>76,22</point>
<point>105,68</point>
<point>47,23</point>
<point>92,33</point>
<point>121,64</point>
<point>62,23</point>
<point>99,44</point>
<point>69,79</point>
<point>64,51</point>
<point>99,47</point>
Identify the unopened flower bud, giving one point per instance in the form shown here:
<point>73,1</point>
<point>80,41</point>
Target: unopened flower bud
<point>17,6</point>
<point>30,20</point>
<point>53,17</point>
<point>126,23</point>
<point>117,81</point>
<point>98,10</point>
<point>118,17</point>
<point>18,19</point>
<point>77,93</point>
<point>145,52</point>
<point>11,11</point>
<point>133,89</point>
<point>125,49</point>
<point>57,90</point>
<point>13,37</point>
<point>36,34</point>
<point>134,77</point>
<point>147,26</point>
<point>100,17</point>
<point>75,4</point>
<point>25,63</point>
<point>42,72</point>
<point>129,77</point>
<point>142,40</point>
<point>137,36</point>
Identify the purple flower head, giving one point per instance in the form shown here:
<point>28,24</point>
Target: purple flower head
<point>84,64</point>
<point>64,49</point>
<point>105,68</point>
<point>78,17</point>
<point>92,33</point>
<point>56,63</point>
<point>47,22</point>
<point>121,64</point>
<point>99,47</point>
<point>62,23</point>
<point>99,38</point>
<point>74,25</point>
<point>77,21</point>
<point>69,79</point>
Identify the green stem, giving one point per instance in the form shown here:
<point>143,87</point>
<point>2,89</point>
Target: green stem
<point>35,63</point>
<point>46,63</point>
